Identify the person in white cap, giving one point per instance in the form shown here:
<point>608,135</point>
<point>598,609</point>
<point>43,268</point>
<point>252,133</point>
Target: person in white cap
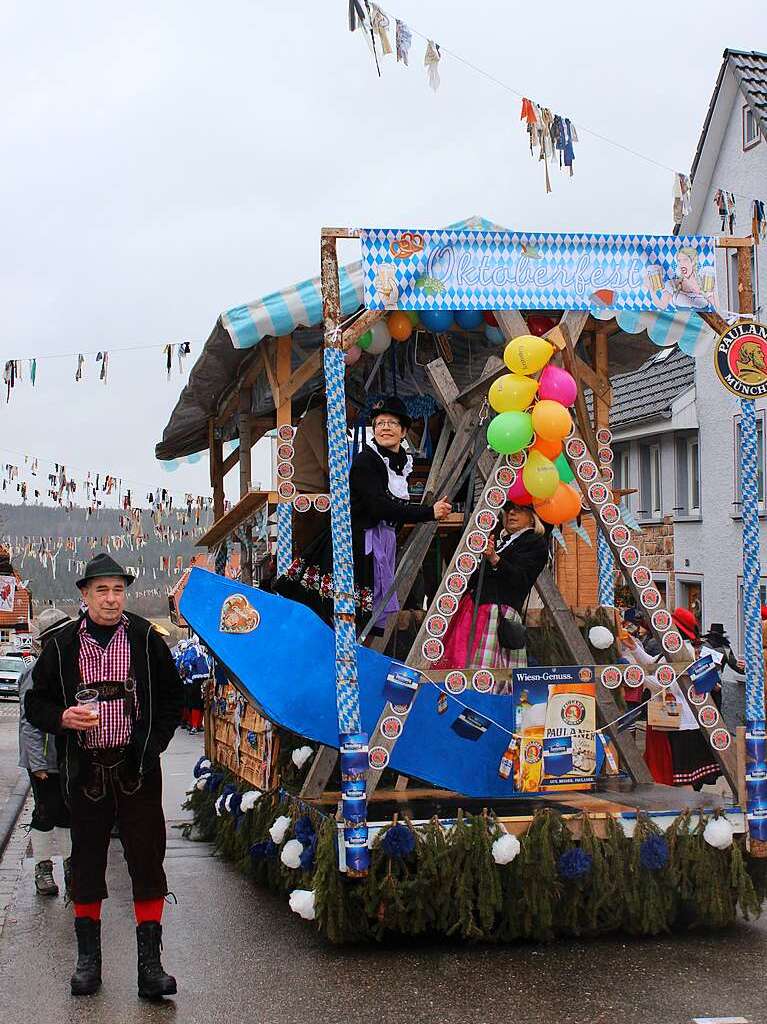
<point>49,827</point>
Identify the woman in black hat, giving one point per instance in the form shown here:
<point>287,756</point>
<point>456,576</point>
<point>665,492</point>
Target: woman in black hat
<point>380,502</point>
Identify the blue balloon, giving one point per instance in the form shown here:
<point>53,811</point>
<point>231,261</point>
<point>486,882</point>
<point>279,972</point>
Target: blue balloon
<point>494,335</point>
<point>436,320</point>
<point>469,319</point>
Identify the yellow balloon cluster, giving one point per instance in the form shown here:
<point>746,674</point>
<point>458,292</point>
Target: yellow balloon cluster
<point>511,396</point>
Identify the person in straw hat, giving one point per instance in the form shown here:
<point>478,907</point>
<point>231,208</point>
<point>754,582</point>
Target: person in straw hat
<point>49,827</point>
<point>107,687</point>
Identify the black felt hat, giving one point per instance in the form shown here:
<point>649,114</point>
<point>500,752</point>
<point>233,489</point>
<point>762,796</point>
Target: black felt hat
<point>104,565</point>
<point>394,406</point>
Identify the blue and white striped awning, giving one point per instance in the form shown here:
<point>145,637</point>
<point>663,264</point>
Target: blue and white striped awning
<point>301,306</point>
<point>687,330</point>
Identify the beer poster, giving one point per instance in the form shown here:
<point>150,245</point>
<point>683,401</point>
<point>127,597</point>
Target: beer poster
<point>555,723</point>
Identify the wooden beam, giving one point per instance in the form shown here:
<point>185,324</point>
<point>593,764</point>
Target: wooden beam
<point>243,451</point>
<point>283,374</point>
<point>258,427</point>
<point>266,362</point>
<point>571,326</point>
<point>302,374</point>
<point>599,386</point>
<point>215,448</point>
<point>249,372</point>
<point>511,323</point>
<point>731,242</point>
<point>354,331</point>
<point>601,371</point>
<point>745,282</point>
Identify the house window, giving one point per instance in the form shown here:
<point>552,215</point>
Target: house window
<point>622,467</point>
<point>759,461</point>
<point>650,481</point>
<point>5,636</point>
<point>687,475</point>
<point>751,136</point>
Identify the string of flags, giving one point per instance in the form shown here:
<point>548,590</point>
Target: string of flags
<point>13,371</point>
<point>550,134</point>
<point>725,205</point>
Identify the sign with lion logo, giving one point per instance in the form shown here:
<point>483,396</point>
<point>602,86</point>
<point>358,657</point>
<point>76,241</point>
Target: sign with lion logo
<point>740,358</point>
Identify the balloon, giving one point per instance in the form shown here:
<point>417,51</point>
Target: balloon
<point>489,318</point>
<point>563,468</point>
<point>352,355</point>
<point>538,324</point>
<point>399,326</point>
<point>510,432</point>
<point>512,391</point>
<point>558,385</point>
<point>381,338</point>
<point>551,449</point>
<point>561,507</point>
<point>468,319</point>
<point>412,317</point>
<point>494,335</point>
<point>437,320</point>
<point>518,492</point>
<point>540,476</point>
<point>527,354</point>
<point>551,420</point>
<point>365,340</point>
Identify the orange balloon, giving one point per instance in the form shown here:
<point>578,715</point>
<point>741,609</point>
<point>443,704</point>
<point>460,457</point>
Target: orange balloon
<point>551,420</point>
<point>561,507</point>
<point>551,449</point>
<point>400,326</point>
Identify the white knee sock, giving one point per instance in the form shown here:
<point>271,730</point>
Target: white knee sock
<point>42,845</point>
<point>64,841</point>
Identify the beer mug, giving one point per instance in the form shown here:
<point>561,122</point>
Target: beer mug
<point>89,699</point>
<point>655,277</point>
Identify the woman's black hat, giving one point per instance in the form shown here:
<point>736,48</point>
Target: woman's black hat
<point>104,565</point>
<point>395,407</point>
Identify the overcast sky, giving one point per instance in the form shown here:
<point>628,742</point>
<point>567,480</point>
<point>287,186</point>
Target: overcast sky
<point>166,161</point>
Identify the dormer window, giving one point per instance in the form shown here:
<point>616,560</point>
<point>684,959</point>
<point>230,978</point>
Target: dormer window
<point>751,136</point>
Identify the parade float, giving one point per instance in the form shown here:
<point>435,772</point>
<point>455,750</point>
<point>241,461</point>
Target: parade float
<point>385,796</point>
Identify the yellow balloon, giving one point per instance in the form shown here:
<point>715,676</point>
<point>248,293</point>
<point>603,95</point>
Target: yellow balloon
<point>551,420</point>
<point>540,476</point>
<point>512,392</point>
<point>527,354</point>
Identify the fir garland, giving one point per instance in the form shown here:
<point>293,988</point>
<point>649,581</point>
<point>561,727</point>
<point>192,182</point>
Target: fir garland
<point>440,879</point>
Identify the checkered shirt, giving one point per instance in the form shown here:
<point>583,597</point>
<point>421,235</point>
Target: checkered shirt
<point>100,664</point>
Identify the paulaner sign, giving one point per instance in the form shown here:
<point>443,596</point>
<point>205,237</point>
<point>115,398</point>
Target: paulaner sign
<point>740,358</point>
<point>485,270</point>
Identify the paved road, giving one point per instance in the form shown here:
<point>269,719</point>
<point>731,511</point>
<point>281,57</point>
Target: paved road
<point>240,955</point>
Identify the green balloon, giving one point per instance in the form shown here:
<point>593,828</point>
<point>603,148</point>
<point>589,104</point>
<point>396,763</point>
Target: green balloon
<point>563,468</point>
<point>365,341</point>
<point>510,432</point>
<point>412,316</point>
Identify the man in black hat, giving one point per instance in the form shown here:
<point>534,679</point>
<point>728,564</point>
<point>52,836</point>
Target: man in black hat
<point>108,689</point>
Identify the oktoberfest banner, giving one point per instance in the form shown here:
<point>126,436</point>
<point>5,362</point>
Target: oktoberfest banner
<point>486,270</point>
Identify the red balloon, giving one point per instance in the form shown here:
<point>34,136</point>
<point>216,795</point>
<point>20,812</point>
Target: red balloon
<point>518,493</point>
<point>490,318</point>
<point>538,324</point>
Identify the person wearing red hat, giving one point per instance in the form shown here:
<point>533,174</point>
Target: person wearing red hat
<point>694,764</point>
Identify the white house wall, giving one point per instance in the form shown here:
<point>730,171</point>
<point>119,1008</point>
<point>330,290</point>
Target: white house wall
<point>713,546</point>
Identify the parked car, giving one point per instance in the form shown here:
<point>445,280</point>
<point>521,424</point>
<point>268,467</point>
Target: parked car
<point>11,667</point>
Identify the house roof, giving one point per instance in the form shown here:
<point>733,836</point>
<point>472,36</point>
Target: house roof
<point>748,70</point>
<point>21,608</point>
<point>649,392</point>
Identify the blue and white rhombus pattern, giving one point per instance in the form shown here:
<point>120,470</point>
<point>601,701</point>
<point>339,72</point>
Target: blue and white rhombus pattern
<point>751,566</point>
<point>480,270</point>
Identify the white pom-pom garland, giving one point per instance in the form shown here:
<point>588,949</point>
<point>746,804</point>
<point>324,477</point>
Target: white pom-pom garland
<point>201,783</point>
<point>204,765</point>
<point>228,803</point>
<point>718,833</point>
<point>600,637</point>
<point>302,903</point>
<point>505,849</point>
<point>219,805</point>
<point>249,800</point>
<point>279,828</point>
<point>300,756</point>
<point>291,854</point>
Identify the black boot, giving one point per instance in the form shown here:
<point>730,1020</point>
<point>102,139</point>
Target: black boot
<point>87,977</point>
<point>153,982</point>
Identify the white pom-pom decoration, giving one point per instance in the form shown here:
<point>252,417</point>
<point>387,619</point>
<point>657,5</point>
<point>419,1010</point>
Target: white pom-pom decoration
<point>228,803</point>
<point>218,805</point>
<point>600,637</point>
<point>201,783</point>
<point>505,849</point>
<point>718,833</point>
<point>291,854</point>
<point>279,828</point>
<point>204,765</point>
<point>300,756</point>
<point>249,800</point>
<point>302,903</point>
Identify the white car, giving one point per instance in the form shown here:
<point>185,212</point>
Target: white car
<point>11,667</point>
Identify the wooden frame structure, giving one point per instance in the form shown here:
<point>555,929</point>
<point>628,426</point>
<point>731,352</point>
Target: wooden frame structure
<point>464,410</point>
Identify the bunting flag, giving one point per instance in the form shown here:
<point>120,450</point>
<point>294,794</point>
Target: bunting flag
<point>758,221</point>
<point>431,61</point>
<point>403,39</point>
<point>682,196</point>
<point>551,136</point>
<point>725,205</point>
<point>80,364</point>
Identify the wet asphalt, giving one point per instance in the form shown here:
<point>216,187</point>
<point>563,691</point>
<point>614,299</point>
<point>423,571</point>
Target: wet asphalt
<point>239,954</point>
